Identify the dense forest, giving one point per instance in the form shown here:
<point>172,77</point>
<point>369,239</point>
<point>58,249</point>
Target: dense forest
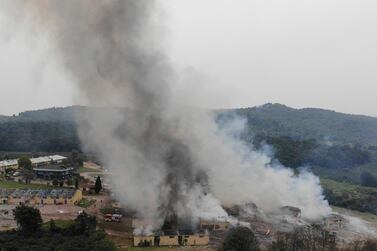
<point>42,129</point>
<point>309,123</point>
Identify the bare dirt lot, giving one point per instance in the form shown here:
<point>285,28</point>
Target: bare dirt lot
<point>7,221</point>
<point>59,212</point>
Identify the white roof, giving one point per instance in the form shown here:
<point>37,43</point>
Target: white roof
<point>12,162</point>
<point>57,157</point>
<point>47,159</point>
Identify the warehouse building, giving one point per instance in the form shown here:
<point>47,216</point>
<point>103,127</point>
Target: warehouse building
<point>36,162</point>
<point>53,172</point>
<point>46,160</point>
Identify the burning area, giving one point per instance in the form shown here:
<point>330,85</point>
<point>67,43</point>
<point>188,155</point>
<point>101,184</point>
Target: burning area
<point>172,163</point>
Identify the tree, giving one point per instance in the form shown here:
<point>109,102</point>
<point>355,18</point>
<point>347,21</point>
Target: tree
<point>69,182</point>
<point>98,185</point>
<point>84,223</point>
<point>55,182</point>
<point>53,227</point>
<point>28,219</point>
<point>368,179</point>
<point>240,239</point>
<point>26,168</point>
<point>77,183</point>
<point>25,162</point>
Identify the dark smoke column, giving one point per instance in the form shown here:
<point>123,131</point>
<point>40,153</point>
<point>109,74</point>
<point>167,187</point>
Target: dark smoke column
<point>112,50</point>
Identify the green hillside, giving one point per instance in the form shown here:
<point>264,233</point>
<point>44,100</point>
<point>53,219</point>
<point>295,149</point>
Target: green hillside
<point>309,123</point>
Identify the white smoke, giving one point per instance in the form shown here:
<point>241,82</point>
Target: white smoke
<point>165,159</point>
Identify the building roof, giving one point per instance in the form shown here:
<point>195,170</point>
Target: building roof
<point>39,160</point>
<point>45,159</point>
<point>53,168</point>
<point>42,193</point>
<point>6,163</point>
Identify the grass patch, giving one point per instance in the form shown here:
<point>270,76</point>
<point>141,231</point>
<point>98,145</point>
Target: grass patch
<point>86,170</point>
<point>58,223</point>
<point>356,191</point>
<point>371,218</point>
<point>10,184</point>
<point>85,203</point>
<point>124,226</point>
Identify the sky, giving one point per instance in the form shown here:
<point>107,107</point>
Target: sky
<point>228,53</point>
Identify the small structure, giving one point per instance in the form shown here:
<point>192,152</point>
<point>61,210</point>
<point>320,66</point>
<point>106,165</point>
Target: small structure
<point>214,225</point>
<point>51,172</point>
<point>40,196</point>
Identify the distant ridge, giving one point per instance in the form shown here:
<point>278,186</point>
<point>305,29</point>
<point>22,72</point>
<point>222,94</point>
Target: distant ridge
<point>320,124</point>
<point>265,120</point>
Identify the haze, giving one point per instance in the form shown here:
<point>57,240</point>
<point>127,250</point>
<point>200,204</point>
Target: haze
<point>229,54</point>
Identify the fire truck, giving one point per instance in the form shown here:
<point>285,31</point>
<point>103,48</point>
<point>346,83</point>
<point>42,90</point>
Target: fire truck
<point>113,217</point>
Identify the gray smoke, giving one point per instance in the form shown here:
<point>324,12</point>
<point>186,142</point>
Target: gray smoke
<point>167,160</point>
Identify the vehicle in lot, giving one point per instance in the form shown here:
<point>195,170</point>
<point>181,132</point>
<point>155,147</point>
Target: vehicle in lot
<point>113,217</point>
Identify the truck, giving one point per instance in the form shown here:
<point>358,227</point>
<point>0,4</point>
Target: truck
<point>113,217</point>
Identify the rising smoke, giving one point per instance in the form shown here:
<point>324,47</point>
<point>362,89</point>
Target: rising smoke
<point>167,160</point>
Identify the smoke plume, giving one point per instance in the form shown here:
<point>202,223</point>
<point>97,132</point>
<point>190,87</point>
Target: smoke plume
<point>167,160</point>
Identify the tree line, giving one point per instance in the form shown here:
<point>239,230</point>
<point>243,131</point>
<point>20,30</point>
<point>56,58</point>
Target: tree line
<point>81,235</point>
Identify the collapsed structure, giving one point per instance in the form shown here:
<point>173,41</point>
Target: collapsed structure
<point>212,225</point>
<point>334,222</point>
<point>39,196</point>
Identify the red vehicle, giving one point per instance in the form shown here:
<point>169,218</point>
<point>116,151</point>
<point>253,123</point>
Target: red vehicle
<point>113,217</point>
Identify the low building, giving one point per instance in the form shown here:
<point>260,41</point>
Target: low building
<point>172,238</point>
<point>40,196</point>
<point>53,172</point>
<point>214,225</point>
<point>5,164</point>
<point>46,160</point>
<point>36,162</point>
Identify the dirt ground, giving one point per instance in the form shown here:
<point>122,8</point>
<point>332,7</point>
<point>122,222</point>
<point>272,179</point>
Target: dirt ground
<point>59,212</point>
<point>7,221</point>
<point>92,165</point>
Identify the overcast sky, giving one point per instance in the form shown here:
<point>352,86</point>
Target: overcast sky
<point>231,53</point>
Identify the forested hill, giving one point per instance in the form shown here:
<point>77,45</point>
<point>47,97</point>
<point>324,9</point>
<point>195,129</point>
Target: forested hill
<point>309,123</point>
<point>48,130</point>
<point>54,129</point>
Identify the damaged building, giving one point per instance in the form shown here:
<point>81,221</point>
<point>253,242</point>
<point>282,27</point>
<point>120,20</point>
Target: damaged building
<point>214,225</point>
<point>172,238</point>
<point>334,222</point>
